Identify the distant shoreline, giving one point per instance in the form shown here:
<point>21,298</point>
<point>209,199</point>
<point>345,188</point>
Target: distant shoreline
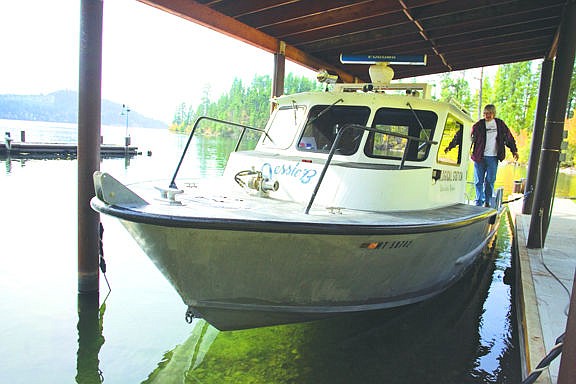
<point>62,107</point>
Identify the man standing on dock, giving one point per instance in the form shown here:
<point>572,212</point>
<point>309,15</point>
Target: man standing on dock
<point>490,137</point>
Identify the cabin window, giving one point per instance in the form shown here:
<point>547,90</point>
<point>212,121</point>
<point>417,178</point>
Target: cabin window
<point>325,121</point>
<point>283,126</point>
<point>451,129</point>
<point>405,127</point>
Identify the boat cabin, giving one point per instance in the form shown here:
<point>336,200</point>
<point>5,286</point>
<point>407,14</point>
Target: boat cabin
<point>389,156</point>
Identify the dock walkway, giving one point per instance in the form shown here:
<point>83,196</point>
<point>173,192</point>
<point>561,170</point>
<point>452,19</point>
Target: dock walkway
<point>544,280</point>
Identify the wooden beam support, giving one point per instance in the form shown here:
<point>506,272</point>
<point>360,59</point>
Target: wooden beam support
<point>279,70</point>
<point>554,130</point>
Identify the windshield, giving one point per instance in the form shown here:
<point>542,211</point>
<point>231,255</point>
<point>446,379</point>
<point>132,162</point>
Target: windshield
<point>324,122</point>
<point>402,122</point>
<point>283,126</point>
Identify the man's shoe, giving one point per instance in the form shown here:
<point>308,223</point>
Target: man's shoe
<point>487,205</point>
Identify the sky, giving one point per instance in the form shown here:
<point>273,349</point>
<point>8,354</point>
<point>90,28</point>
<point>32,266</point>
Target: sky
<point>151,60</point>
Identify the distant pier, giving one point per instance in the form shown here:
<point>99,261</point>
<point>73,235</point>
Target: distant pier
<point>58,150</point>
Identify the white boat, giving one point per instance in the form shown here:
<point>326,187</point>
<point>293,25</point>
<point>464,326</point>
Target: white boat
<point>347,203</point>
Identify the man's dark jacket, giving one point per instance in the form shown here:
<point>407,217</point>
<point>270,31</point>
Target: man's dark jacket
<point>504,139</point>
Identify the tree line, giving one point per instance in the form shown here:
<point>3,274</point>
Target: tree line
<point>513,89</point>
<point>247,105</point>
<point>514,92</point>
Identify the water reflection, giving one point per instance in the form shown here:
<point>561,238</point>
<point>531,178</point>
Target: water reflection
<point>436,341</point>
<point>463,336</point>
<point>177,363</point>
<point>90,339</point>
<point>8,162</point>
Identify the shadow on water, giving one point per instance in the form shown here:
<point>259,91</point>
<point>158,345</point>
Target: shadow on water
<point>437,341</point>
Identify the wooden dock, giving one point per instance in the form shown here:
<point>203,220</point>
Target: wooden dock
<point>544,280</point>
<point>60,150</point>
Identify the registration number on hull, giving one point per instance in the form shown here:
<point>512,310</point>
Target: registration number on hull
<point>387,244</point>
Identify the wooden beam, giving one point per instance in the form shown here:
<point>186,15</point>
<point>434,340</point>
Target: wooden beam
<point>207,17</point>
<point>279,70</point>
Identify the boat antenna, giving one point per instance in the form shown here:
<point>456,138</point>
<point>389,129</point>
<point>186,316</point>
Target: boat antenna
<point>313,119</point>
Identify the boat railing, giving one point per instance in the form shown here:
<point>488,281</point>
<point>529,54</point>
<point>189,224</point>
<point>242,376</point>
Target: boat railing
<point>201,118</point>
<point>369,129</point>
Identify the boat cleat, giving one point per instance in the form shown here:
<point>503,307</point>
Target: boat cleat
<point>168,195</point>
<point>335,210</point>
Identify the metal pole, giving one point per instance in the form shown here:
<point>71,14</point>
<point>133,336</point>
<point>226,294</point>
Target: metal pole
<point>538,132</point>
<point>89,106</point>
<point>553,134</point>
<point>567,370</point>
<point>126,111</point>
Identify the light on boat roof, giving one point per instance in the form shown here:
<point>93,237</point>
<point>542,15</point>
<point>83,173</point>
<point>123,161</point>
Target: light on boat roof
<point>324,77</point>
<point>390,59</point>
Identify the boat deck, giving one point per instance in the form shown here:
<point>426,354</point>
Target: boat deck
<point>545,277</point>
<point>204,209</point>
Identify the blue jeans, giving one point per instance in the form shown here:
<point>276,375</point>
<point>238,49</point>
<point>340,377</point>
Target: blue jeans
<point>484,178</point>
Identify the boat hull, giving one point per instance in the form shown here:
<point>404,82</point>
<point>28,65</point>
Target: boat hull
<point>258,276</point>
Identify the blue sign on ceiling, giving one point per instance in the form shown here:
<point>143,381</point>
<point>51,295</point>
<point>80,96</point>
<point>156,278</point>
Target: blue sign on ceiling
<point>375,58</point>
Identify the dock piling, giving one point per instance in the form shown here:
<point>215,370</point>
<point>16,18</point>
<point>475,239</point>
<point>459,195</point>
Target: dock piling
<point>8,141</point>
<point>89,110</point>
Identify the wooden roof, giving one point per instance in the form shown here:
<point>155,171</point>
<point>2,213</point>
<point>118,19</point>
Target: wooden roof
<point>454,34</point>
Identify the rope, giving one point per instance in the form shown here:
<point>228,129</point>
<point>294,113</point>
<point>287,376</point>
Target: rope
<point>524,196</point>
<point>239,175</point>
<point>554,352</point>
<point>102,262</point>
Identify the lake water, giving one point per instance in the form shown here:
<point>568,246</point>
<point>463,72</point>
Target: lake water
<point>49,334</point>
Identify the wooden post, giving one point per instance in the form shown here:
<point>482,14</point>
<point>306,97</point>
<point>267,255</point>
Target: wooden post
<point>538,132</point>
<point>567,371</point>
<point>279,71</point>
<point>554,132</point>
<point>89,106</point>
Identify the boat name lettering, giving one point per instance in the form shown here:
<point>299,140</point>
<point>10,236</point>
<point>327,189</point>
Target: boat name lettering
<point>451,176</point>
<point>387,244</point>
<point>305,175</point>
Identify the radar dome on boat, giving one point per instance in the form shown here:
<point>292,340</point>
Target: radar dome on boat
<point>381,73</point>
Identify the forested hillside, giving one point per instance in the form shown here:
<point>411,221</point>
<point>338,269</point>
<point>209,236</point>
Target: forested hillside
<point>62,106</point>
<point>248,105</point>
